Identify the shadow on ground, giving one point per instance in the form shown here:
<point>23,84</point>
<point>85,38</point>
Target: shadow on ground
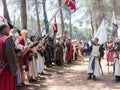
<point>72,77</point>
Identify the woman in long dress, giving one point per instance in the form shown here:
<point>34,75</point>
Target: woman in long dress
<point>110,54</point>
<point>79,55</point>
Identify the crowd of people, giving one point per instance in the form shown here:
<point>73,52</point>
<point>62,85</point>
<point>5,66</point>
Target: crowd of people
<point>23,59</point>
<point>26,57</point>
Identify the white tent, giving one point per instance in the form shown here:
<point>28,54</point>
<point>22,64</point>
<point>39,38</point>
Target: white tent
<point>101,33</point>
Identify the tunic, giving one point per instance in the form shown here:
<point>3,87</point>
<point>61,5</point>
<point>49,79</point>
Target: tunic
<point>94,66</point>
<point>117,64</point>
<point>7,55</point>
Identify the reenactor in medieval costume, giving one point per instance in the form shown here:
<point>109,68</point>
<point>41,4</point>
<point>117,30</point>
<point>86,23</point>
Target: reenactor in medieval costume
<point>94,66</point>
<point>8,65</point>
<point>117,60</point>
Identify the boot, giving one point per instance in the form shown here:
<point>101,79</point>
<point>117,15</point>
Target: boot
<point>89,77</point>
<point>94,78</point>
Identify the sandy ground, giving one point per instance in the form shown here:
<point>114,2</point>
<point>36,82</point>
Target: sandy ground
<point>73,77</point>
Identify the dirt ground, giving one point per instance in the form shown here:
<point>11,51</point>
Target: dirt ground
<point>73,77</point>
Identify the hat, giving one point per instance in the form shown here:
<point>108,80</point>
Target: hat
<point>3,21</point>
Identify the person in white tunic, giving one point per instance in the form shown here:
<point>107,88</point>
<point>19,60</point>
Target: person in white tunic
<point>33,72</point>
<point>41,59</point>
<point>94,64</point>
<point>117,60</point>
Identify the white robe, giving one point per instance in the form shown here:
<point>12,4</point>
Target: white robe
<point>40,64</point>
<point>96,71</point>
<point>64,57</point>
<point>33,68</point>
<point>117,67</point>
<point>33,72</point>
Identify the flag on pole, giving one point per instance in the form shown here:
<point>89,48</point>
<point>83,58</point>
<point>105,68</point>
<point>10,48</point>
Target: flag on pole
<point>71,4</point>
<point>46,23</point>
<point>115,25</point>
<point>55,26</point>
<point>101,33</point>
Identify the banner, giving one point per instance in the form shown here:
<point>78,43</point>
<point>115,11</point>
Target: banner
<point>115,25</point>
<point>101,33</point>
<point>71,4</point>
<point>46,22</point>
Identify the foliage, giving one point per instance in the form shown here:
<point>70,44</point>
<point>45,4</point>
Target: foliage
<point>99,9</point>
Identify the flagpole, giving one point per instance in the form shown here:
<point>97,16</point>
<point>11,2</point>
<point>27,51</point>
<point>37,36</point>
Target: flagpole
<point>53,17</point>
<point>47,24</point>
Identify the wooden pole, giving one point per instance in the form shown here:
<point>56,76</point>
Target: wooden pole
<point>53,16</point>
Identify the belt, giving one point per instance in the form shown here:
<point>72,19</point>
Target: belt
<point>117,57</point>
<point>94,56</point>
<point>3,64</point>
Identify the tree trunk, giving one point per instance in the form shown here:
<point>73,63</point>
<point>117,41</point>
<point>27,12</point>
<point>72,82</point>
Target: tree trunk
<point>70,26</point>
<point>91,19</point>
<point>23,14</point>
<point>115,6</point>
<point>5,10</point>
<point>62,20</point>
<point>37,15</point>
<point>98,13</point>
<point>44,12</point>
<point>44,7</point>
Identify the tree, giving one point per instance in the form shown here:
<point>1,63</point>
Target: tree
<point>45,14</point>
<point>70,25</point>
<point>62,21</point>
<point>37,15</point>
<point>5,10</point>
<point>23,14</point>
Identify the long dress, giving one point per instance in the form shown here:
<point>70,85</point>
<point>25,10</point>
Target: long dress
<point>33,72</point>
<point>74,51</point>
<point>69,52</point>
<point>48,56</point>
<point>110,54</point>
<point>25,61</point>
<point>40,63</point>
<point>79,54</point>
<point>64,57</point>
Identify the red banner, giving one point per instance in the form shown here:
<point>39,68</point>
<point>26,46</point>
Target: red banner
<point>71,4</point>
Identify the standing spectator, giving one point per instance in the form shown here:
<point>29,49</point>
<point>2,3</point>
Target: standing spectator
<point>19,74</point>
<point>110,53</point>
<point>117,60</point>
<point>69,51</point>
<point>79,55</point>
<point>86,46</point>
<point>8,65</point>
<point>23,42</point>
<point>33,72</point>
